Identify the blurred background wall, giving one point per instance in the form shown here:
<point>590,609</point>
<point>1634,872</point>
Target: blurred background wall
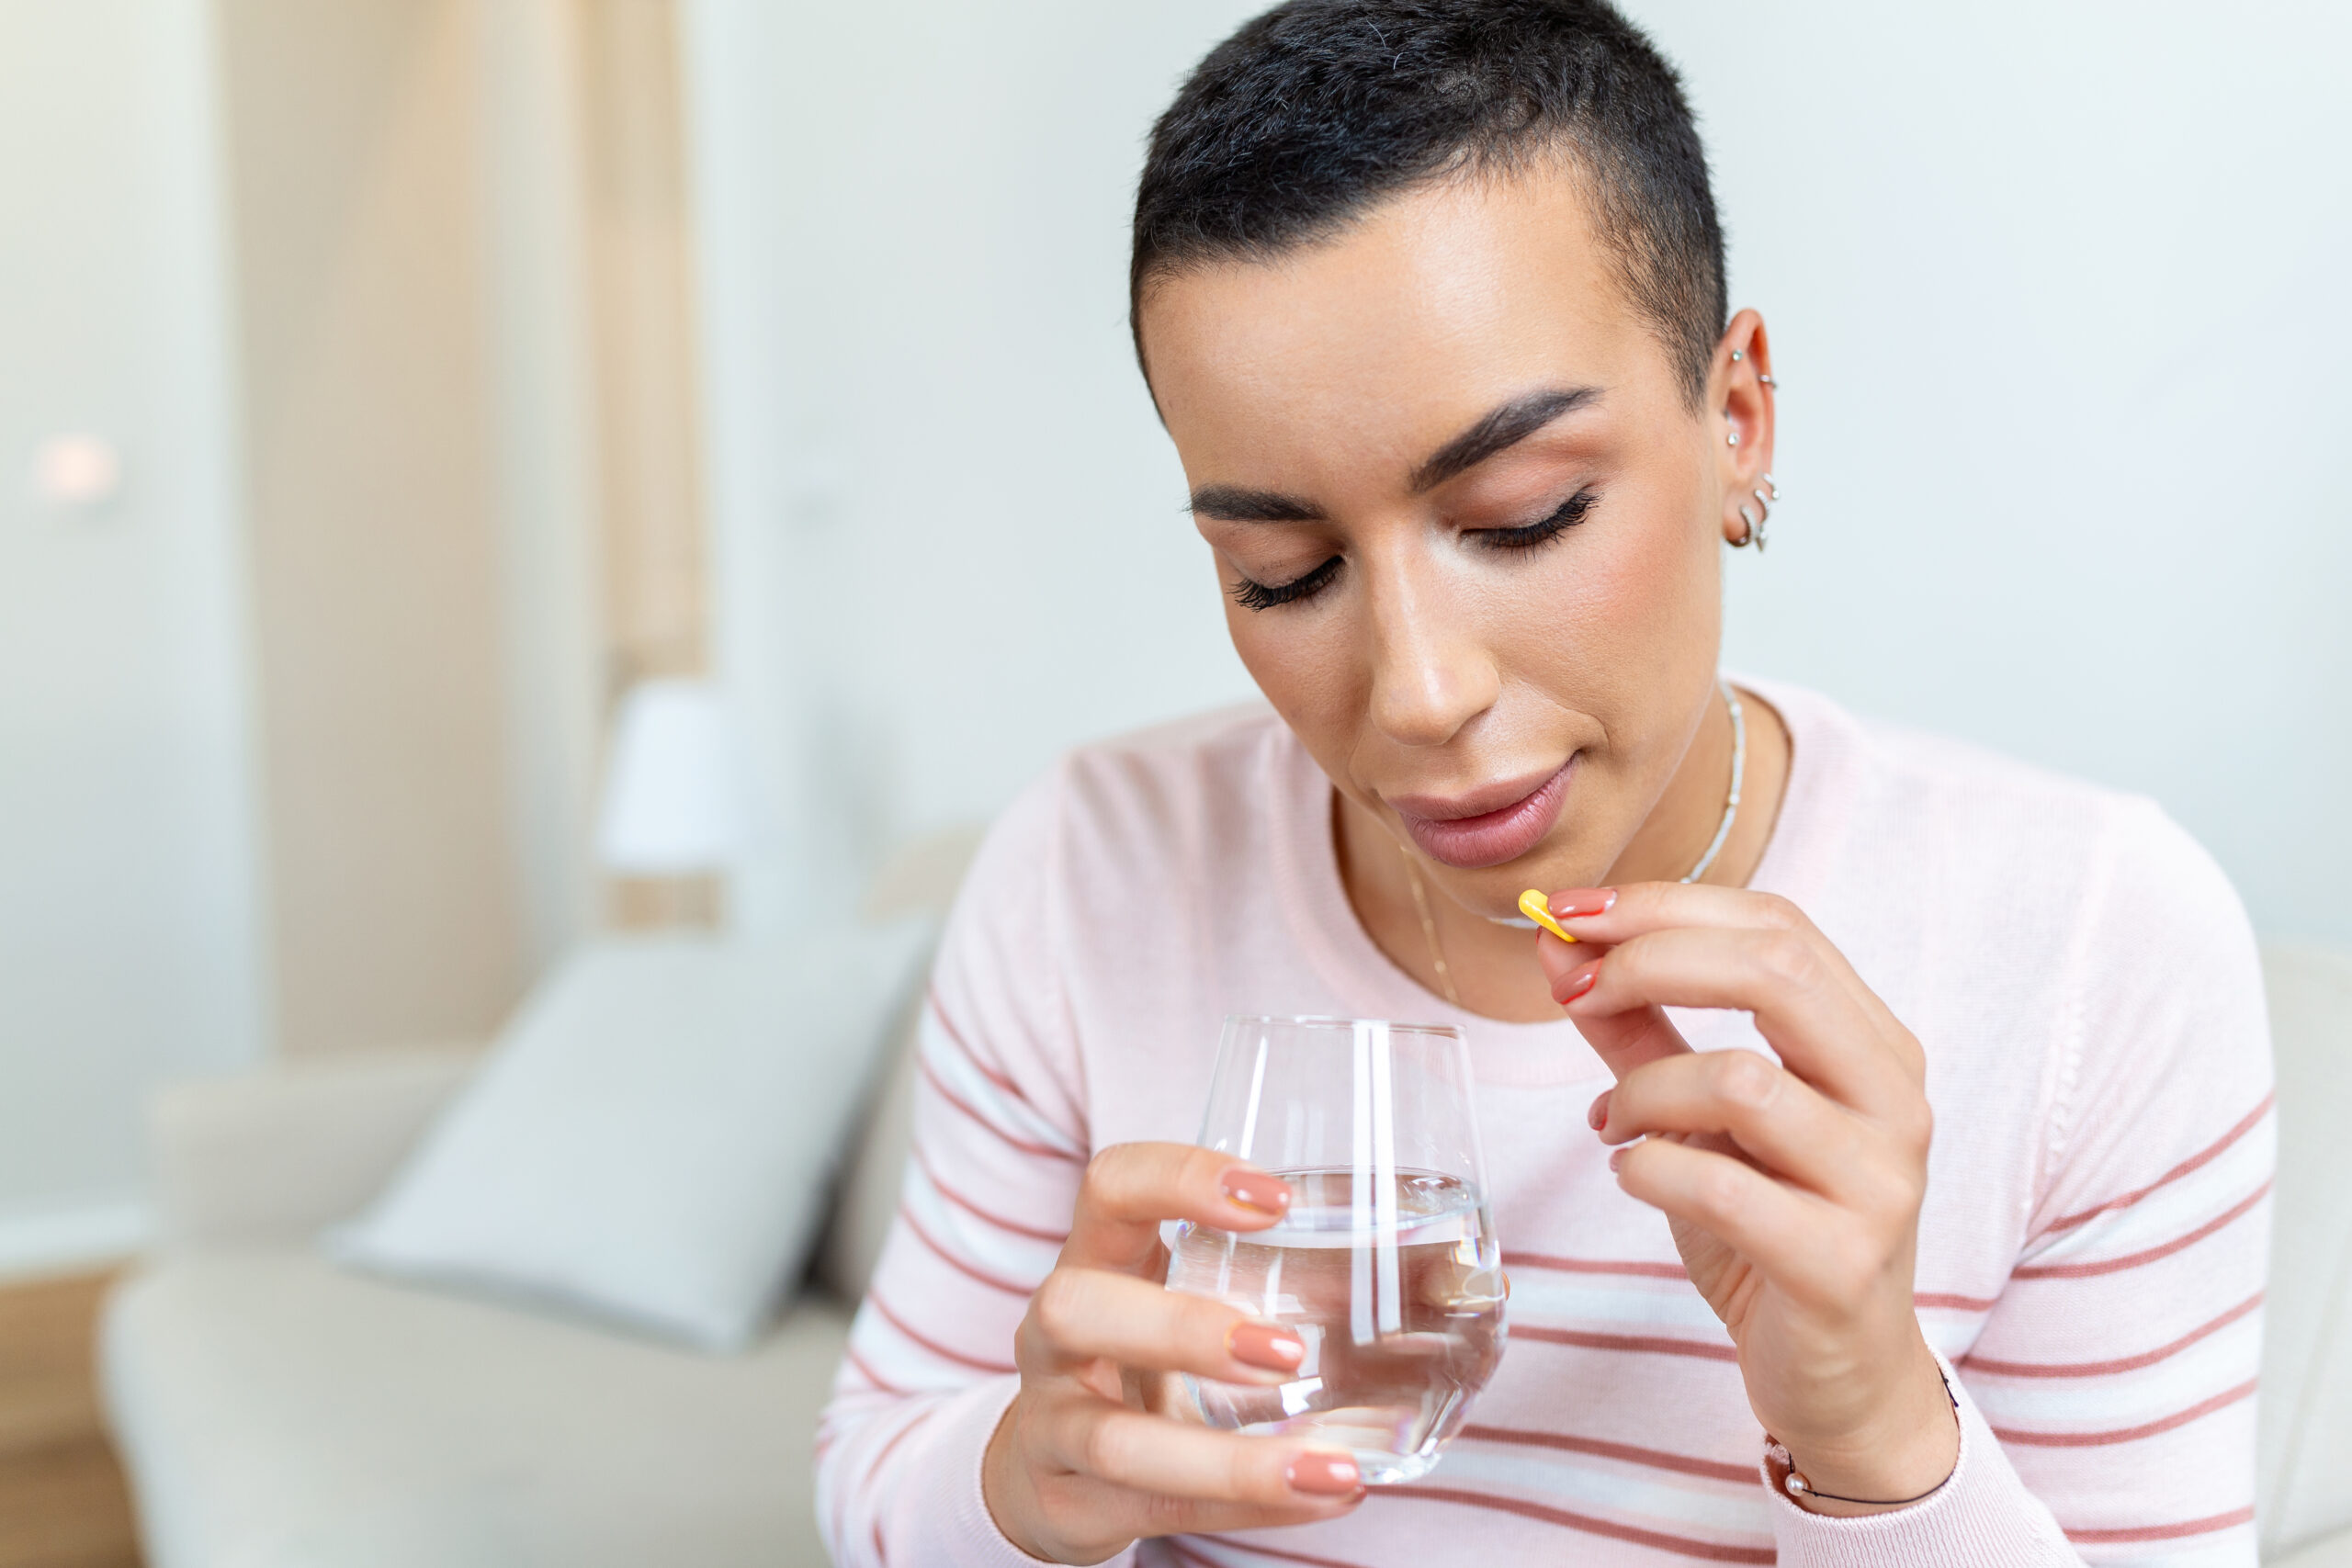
<point>470,359</point>
<point>133,910</point>
<point>2052,291</point>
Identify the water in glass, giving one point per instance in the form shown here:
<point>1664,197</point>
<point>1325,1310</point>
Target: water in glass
<point>1385,1264</point>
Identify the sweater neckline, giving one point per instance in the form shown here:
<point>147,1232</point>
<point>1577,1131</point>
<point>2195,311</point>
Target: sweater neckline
<point>1823,757</point>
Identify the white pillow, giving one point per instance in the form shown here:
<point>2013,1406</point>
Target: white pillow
<point>652,1137</point>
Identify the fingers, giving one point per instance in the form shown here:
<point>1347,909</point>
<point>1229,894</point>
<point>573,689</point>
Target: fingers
<point>1184,1515</point>
<point>1771,1114</point>
<point>1784,977</point>
<point>1609,915</point>
<point>1131,1187</point>
<point>1074,1477</point>
<point>1624,1041</point>
<point>1152,1454</point>
<point>1577,904</point>
<point>1748,1210</point>
<point>1629,1040</point>
<point>1081,1315</point>
<point>1823,1255</point>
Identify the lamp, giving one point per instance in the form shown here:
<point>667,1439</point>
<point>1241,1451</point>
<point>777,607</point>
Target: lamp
<point>674,796</point>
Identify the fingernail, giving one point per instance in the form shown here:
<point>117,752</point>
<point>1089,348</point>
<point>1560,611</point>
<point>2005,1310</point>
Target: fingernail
<point>1618,1158</point>
<point>1576,985</point>
<point>1263,1344</point>
<point>1257,1191</point>
<point>1583,901</point>
<point>1326,1475</point>
<point>1599,1115</point>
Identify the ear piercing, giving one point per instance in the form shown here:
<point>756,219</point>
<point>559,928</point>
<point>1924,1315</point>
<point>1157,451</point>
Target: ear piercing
<point>1738,355</point>
<point>1732,436</point>
<point>1756,516</point>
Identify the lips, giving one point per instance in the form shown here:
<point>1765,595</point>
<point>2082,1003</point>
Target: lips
<point>1477,830</point>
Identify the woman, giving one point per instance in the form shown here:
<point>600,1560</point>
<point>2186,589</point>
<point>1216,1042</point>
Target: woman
<point>1953,1250</point>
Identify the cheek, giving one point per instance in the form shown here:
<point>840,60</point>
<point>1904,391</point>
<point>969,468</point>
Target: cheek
<point>1626,627</point>
<point>1309,668</point>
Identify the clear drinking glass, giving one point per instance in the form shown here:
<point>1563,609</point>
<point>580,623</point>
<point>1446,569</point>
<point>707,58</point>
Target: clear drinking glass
<point>1385,1265</point>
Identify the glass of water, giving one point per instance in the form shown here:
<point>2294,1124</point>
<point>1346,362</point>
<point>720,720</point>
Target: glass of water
<point>1385,1264</point>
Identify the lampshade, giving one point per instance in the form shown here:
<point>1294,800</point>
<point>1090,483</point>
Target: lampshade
<point>674,791</point>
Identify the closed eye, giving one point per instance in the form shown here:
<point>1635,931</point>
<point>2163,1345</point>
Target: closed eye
<point>1251,594</point>
<point>1254,595</point>
<point>1570,513</point>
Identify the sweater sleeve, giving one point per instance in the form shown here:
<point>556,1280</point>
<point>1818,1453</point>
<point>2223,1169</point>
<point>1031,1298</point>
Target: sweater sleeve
<point>2106,1408</point>
<point>1000,1145</point>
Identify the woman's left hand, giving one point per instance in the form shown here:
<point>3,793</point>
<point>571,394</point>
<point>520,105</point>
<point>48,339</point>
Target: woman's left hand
<point>1794,1191</point>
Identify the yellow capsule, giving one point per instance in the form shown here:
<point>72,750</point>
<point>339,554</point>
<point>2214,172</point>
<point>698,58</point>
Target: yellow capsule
<point>1537,907</point>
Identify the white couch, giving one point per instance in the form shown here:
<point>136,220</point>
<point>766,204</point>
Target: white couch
<point>275,1411</point>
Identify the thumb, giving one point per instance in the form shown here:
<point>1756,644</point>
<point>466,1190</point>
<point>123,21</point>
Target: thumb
<point>1625,1041</point>
<point>1622,1041</point>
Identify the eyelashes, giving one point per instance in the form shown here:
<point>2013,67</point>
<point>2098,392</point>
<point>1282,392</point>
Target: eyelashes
<point>1570,513</point>
<point>1254,595</point>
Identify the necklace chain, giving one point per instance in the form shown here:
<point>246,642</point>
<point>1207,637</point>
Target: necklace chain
<point>1706,862</point>
<point>1428,928</point>
<point>1738,777</point>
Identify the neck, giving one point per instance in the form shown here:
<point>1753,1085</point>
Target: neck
<point>1492,965</point>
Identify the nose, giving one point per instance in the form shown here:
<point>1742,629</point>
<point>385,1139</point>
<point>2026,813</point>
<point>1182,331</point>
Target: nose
<point>1432,672</point>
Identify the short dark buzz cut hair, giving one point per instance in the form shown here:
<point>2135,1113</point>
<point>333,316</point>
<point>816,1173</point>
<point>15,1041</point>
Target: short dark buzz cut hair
<point>1315,112</point>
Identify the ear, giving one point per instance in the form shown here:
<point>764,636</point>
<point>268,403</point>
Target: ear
<point>1739,409</point>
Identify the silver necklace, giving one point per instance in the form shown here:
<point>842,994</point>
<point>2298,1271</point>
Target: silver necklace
<point>1706,861</point>
<point>1738,776</point>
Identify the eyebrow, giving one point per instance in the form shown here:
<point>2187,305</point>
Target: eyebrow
<point>1503,426</point>
<point>1507,425</point>
<point>1234,504</point>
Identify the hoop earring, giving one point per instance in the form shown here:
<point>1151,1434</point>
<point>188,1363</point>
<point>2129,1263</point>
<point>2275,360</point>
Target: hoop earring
<point>1756,516</point>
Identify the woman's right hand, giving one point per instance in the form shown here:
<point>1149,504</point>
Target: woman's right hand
<point>1082,1463</point>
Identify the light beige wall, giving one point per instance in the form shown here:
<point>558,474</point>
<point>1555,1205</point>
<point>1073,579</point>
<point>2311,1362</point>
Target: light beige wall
<point>640,248</point>
<point>352,133</point>
<point>544,435</point>
<point>640,254</point>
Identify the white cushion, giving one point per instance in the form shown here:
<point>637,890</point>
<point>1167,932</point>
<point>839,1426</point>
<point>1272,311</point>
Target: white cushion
<point>867,1202</point>
<point>274,1156</point>
<point>652,1139</point>
<point>2336,1551</point>
<point>277,1412</point>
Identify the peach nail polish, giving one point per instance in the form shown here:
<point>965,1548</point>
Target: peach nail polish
<point>1263,1344</point>
<point>1577,986</point>
<point>1583,903</point>
<point>1325,1475</point>
<point>1256,1190</point>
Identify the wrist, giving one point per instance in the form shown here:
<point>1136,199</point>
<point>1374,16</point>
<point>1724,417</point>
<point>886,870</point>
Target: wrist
<point>1893,1462</point>
<point>1000,1479</point>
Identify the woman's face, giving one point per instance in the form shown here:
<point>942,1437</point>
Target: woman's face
<point>1466,524</point>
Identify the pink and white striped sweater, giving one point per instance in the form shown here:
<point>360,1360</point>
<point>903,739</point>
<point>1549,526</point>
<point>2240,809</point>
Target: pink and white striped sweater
<point>2091,1254</point>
